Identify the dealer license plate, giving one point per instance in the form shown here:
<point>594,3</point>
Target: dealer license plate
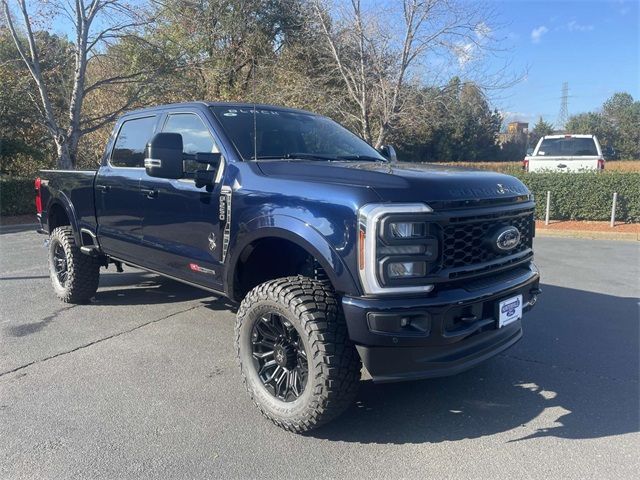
<point>509,310</point>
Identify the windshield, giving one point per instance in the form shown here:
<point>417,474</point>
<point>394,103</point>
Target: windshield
<point>285,134</point>
<point>567,147</point>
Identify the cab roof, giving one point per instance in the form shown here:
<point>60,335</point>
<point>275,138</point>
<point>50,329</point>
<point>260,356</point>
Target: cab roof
<point>259,106</point>
<point>572,135</point>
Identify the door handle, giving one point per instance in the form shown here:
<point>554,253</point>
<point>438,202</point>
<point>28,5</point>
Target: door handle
<point>149,192</point>
<point>103,188</point>
<point>562,165</point>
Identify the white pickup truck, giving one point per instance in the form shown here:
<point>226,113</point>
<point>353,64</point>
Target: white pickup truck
<point>565,153</point>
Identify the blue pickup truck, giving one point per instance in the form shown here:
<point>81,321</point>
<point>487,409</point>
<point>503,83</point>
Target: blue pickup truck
<point>336,254</point>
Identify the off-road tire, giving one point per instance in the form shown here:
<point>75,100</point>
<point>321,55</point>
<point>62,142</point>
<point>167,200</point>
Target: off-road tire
<point>334,366</point>
<point>83,270</point>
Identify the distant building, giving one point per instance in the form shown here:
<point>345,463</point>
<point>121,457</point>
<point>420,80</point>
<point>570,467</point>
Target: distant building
<point>516,132</point>
<point>517,127</point>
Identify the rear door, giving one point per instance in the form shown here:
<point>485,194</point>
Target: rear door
<point>119,204</point>
<point>566,154</point>
<point>181,227</point>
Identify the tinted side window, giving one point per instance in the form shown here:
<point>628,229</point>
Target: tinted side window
<point>195,136</point>
<point>131,142</point>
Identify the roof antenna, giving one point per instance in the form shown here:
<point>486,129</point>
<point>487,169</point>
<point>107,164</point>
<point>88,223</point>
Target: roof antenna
<point>253,95</point>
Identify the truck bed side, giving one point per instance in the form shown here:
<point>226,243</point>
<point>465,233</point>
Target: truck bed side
<point>68,198</point>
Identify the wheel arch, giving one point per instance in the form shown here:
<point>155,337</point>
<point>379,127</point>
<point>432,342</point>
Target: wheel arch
<point>294,232</point>
<point>60,212</point>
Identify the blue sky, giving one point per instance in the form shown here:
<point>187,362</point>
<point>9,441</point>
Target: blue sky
<point>591,45</point>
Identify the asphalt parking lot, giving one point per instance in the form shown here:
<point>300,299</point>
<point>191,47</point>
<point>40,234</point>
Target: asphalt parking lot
<point>142,383</point>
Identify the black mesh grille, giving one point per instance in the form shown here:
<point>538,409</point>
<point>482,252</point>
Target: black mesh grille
<point>465,239</point>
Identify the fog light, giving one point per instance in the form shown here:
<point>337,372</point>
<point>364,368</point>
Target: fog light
<point>407,269</point>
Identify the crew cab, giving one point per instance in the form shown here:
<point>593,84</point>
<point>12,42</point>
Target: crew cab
<point>336,254</point>
<point>565,153</point>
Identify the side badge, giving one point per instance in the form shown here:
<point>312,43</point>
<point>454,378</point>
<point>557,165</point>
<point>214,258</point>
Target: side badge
<point>197,268</point>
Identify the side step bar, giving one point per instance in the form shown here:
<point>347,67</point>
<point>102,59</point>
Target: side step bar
<point>91,250</point>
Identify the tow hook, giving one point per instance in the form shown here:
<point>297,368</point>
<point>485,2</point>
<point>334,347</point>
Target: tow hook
<point>534,292</point>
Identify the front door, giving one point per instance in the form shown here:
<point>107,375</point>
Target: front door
<point>181,231</point>
<point>119,205</point>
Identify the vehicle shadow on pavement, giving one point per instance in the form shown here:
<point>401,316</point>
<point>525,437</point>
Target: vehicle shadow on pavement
<point>142,288</point>
<point>574,375</point>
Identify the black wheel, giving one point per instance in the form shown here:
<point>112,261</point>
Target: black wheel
<point>74,276</point>
<point>295,356</point>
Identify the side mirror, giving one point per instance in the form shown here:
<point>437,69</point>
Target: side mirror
<point>389,152</point>
<point>163,158</point>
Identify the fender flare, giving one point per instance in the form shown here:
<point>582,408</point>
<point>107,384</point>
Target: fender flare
<point>60,199</point>
<point>297,232</point>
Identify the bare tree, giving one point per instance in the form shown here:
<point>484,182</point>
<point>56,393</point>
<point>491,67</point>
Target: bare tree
<point>375,53</point>
<point>96,24</point>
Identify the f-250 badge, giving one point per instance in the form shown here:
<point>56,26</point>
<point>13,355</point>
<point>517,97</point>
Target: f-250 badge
<point>222,210</point>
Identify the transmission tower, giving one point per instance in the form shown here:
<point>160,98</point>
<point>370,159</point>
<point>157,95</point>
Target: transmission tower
<point>563,116</point>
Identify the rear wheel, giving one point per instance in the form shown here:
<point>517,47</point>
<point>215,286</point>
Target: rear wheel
<point>295,356</point>
<point>74,275</point>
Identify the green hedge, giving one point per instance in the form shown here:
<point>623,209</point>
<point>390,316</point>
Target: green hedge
<point>586,196</point>
<point>17,196</point>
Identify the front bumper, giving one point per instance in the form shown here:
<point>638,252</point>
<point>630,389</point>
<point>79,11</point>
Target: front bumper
<point>446,332</point>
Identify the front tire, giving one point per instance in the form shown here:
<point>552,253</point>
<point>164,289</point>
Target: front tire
<point>294,352</point>
<point>74,275</point>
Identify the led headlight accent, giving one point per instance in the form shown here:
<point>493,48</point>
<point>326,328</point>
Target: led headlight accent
<point>369,217</point>
<point>401,250</point>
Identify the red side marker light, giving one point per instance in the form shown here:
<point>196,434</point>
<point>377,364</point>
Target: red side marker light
<point>38,183</point>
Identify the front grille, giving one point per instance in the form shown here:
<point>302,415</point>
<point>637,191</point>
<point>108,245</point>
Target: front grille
<point>464,239</point>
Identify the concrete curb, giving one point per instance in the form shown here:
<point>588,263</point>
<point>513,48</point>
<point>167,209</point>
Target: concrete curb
<point>18,228</point>
<point>590,235</point>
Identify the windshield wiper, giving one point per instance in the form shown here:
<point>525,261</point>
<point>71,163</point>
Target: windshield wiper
<point>297,156</point>
<point>318,156</point>
<point>367,158</point>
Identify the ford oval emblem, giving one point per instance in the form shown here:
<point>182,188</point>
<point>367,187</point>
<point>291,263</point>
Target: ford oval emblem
<point>507,238</point>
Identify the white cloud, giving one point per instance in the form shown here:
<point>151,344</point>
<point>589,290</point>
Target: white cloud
<point>537,33</point>
<point>464,52</point>
<point>508,116</point>
<point>482,31</point>
<point>574,26</point>
<point>467,52</point>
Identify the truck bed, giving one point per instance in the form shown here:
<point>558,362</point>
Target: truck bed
<point>70,189</point>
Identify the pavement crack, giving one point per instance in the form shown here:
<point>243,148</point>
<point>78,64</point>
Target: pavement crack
<point>95,342</point>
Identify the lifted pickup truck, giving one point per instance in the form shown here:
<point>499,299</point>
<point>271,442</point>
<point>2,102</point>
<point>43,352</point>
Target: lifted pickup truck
<point>336,255</point>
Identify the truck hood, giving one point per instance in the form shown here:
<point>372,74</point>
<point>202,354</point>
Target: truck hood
<point>403,182</point>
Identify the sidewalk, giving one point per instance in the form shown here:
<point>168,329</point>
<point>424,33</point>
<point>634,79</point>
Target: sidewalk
<point>19,220</point>
<point>590,230</point>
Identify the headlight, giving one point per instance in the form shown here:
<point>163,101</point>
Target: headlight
<point>407,229</point>
<point>406,269</point>
<point>395,248</point>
